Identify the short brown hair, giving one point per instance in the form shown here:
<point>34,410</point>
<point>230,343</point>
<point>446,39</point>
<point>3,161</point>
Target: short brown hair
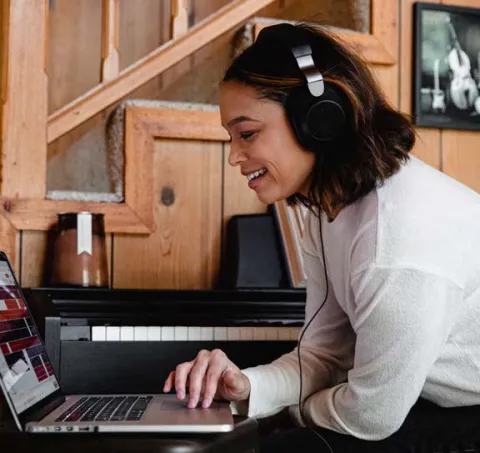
<point>378,137</point>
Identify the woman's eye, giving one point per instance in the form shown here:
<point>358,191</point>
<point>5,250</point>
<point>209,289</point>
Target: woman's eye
<point>246,135</point>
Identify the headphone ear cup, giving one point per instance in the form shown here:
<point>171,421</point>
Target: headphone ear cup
<point>316,120</point>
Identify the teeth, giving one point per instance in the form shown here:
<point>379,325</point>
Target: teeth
<point>256,174</point>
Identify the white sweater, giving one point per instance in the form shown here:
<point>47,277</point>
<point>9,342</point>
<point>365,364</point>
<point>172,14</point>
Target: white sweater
<point>402,318</point>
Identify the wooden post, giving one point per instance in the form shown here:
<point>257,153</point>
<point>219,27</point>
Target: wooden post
<point>111,61</point>
<point>179,18</point>
<point>23,109</point>
<point>24,101</point>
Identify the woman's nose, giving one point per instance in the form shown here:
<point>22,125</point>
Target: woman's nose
<point>236,155</point>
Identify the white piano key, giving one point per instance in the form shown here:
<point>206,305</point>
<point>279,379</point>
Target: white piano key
<point>194,333</point>
<point>140,333</point>
<point>283,333</point>
<point>168,333</point>
<point>220,333</point>
<point>259,334</point>
<point>113,333</point>
<point>207,333</point>
<point>126,333</point>
<point>246,333</point>
<point>154,333</point>
<point>181,333</point>
<point>99,333</point>
<point>233,333</point>
<point>295,333</point>
<point>271,333</point>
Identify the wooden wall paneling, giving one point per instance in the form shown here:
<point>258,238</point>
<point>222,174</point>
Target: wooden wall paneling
<point>339,13</point>
<point>34,249</point>
<point>74,49</point>
<point>200,11</point>
<point>384,17</point>
<point>273,10</point>
<point>184,251</point>
<point>196,78</point>
<point>461,156</point>
<point>460,149</point>
<point>428,142</point>
<point>143,27</point>
<point>74,62</point>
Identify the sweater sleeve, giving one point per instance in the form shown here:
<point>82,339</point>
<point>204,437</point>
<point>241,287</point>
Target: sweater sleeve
<point>402,320</point>
<point>326,351</point>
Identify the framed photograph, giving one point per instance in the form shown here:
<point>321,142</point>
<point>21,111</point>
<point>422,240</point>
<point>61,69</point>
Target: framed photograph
<point>446,90</point>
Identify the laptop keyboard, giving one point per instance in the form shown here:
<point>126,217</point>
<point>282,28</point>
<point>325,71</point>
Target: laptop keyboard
<point>106,408</point>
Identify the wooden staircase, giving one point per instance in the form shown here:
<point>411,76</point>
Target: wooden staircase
<point>24,205</point>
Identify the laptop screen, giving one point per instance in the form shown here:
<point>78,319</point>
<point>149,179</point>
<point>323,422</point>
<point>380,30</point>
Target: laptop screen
<point>25,370</point>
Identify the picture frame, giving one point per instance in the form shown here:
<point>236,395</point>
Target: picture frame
<point>446,79</point>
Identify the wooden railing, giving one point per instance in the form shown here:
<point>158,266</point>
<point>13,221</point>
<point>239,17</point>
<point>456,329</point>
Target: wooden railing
<point>116,85</point>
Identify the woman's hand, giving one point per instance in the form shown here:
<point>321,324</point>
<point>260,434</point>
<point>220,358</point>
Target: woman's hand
<point>211,374</point>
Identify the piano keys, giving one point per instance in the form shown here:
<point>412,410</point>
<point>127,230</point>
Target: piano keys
<point>107,341</point>
<point>191,333</point>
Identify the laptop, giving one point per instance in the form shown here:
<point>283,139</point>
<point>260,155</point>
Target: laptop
<point>38,405</point>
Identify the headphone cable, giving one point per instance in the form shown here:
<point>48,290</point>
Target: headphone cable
<point>300,405</point>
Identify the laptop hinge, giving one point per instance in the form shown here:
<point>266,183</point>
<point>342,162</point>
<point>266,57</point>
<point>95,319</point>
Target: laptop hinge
<point>46,409</point>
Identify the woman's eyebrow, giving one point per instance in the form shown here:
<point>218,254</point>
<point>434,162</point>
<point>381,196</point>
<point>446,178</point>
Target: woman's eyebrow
<point>239,119</point>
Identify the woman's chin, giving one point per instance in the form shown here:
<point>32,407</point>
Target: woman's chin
<point>269,198</point>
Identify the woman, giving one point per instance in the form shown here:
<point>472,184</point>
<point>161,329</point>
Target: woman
<point>392,255</point>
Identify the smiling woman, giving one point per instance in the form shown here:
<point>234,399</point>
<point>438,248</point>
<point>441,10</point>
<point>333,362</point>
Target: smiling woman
<point>391,319</point>
<point>263,145</point>
<point>334,148</point>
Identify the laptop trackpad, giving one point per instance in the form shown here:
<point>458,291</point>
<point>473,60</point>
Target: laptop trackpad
<point>175,405</point>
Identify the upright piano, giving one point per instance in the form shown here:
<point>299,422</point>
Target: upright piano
<point>115,341</point>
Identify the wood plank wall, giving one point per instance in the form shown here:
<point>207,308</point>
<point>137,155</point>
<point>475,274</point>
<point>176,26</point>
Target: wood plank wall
<point>454,152</point>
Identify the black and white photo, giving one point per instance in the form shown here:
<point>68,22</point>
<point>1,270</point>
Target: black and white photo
<point>447,67</point>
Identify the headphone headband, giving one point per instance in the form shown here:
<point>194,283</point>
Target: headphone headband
<point>303,55</point>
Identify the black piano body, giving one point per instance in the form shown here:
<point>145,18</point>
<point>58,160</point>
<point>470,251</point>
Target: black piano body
<point>127,341</point>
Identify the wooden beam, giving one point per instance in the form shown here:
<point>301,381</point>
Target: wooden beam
<point>110,57</point>
<point>181,124</point>
<point>369,46</point>
<point>24,101</point>
<point>107,93</point>
<point>138,171</point>
<point>41,215</point>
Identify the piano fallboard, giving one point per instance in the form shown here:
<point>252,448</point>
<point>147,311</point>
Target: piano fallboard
<point>111,341</point>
